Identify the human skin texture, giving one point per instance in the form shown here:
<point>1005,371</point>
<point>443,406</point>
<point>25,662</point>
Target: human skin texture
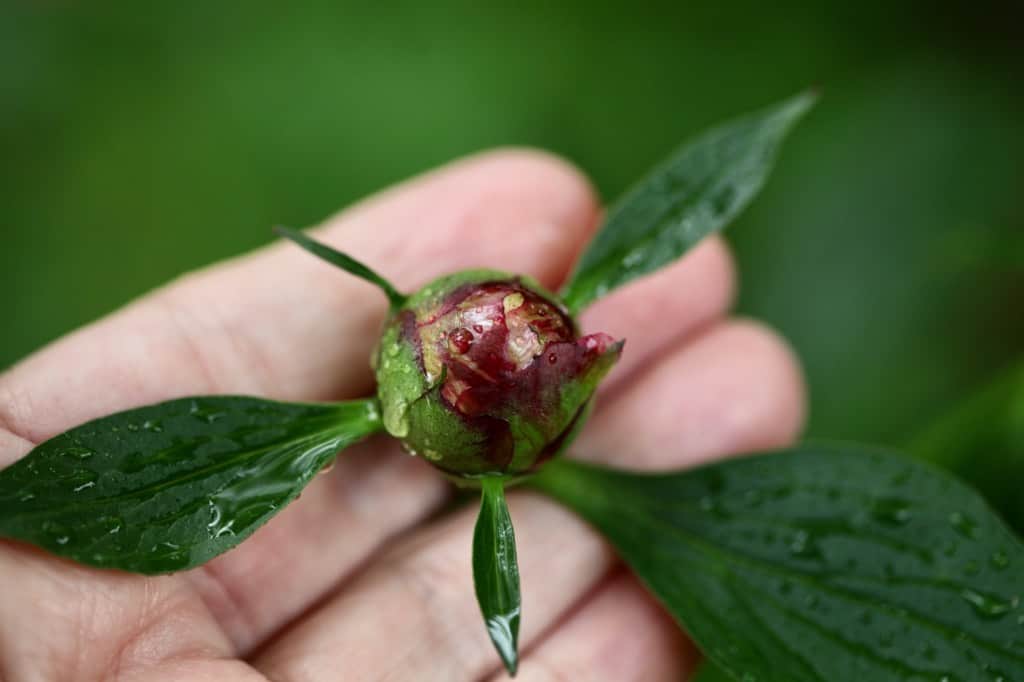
<point>360,578</point>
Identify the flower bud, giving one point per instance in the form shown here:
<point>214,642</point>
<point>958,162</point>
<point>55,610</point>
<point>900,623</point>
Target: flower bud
<point>482,373</point>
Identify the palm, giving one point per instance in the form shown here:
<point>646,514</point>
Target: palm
<point>360,579</point>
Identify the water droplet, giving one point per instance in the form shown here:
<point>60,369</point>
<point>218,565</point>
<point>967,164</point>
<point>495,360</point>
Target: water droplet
<point>963,524</point>
<point>1000,560</point>
<point>57,532</point>
<point>27,497</point>
<point>891,511</point>
<point>79,452</point>
<point>204,414</point>
<point>633,258</point>
<point>152,425</point>
<point>432,455</point>
<point>84,486</point>
<point>215,514</point>
<point>552,358</point>
<point>133,427</point>
<point>988,606</point>
<point>460,340</point>
<point>803,544</point>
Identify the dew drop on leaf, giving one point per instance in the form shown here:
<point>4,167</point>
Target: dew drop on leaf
<point>963,524</point>
<point>804,545</point>
<point>988,606</point>
<point>79,452</point>
<point>891,511</point>
<point>1000,560</point>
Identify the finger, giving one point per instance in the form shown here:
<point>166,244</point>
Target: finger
<point>419,593</point>
<point>619,634</point>
<point>660,311</point>
<point>254,325</point>
<point>738,388</point>
<point>278,323</point>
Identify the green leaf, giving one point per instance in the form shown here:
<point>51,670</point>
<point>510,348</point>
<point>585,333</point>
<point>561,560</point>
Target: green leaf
<point>982,440</point>
<point>821,563</point>
<point>496,571</point>
<point>709,672</point>
<point>345,262</point>
<point>697,191</point>
<point>170,486</point>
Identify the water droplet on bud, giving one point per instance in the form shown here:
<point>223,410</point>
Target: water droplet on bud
<point>460,340</point>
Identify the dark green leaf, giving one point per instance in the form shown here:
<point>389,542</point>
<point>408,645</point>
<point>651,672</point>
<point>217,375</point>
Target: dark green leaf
<point>697,191</point>
<point>345,262</point>
<point>821,563</point>
<point>170,486</point>
<point>709,672</point>
<point>982,441</point>
<point>496,571</point>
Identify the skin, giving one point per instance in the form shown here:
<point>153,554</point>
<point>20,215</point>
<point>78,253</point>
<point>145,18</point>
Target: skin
<point>361,578</point>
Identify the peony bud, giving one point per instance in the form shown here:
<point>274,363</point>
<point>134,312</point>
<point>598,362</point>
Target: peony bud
<point>482,372</point>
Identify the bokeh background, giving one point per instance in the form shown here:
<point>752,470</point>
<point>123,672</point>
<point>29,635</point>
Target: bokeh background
<point>141,142</point>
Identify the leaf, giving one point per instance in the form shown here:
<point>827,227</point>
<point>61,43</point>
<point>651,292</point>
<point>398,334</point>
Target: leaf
<point>709,672</point>
<point>821,563</point>
<point>170,486</point>
<point>695,192</point>
<point>345,262</point>
<point>496,571</point>
<point>982,440</point>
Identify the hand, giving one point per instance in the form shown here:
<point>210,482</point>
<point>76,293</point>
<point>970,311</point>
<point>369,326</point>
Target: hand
<point>360,579</point>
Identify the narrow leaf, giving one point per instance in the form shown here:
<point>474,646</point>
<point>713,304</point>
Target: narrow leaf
<point>695,192</point>
<point>821,563</point>
<point>345,262</point>
<point>169,486</point>
<point>496,572</point>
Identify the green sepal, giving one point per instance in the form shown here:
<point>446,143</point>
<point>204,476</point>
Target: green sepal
<point>496,572</point>
<point>345,262</point>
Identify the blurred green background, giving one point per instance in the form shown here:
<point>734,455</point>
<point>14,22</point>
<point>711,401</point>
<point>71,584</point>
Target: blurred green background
<point>889,246</point>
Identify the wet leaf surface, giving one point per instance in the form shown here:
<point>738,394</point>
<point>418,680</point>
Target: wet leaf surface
<point>169,486</point>
<point>819,563</point>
